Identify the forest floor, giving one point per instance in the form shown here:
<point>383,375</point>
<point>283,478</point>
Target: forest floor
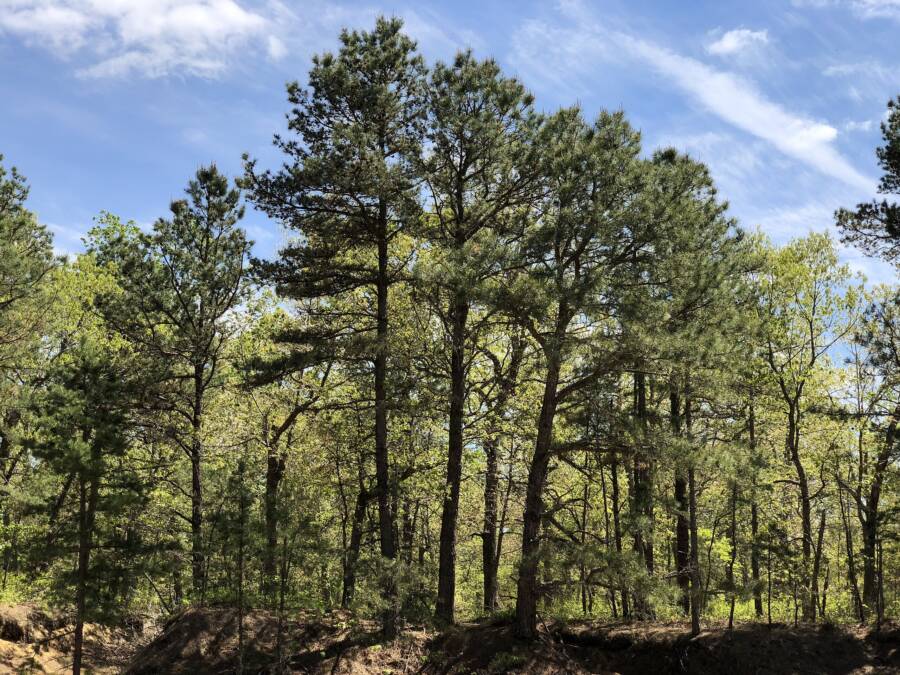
<point>200,642</point>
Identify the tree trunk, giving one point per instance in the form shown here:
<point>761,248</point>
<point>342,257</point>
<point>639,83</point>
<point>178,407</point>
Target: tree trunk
<point>792,442</point>
<point>490,537</point>
<point>696,590</point>
<point>695,556</point>
<point>382,467</point>
<point>870,515</point>
<point>274,473</point>
<point>352,555</point>
<point>87,509</point>
<point>446,597</point>
<point>197,557</point>
<point>817,562</point>
<point>754,560</point>
<point>489,531</point>
<point>754,521</point>
<point>617,527</point>
<point>682,543</point>
<point>527,591</point>
<point>851,561</point>
<point>642,501</point>
<point>732,535</point>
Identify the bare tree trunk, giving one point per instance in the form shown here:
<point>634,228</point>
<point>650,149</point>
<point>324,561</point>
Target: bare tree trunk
<point>682,543</point>
<point>446,597</point>
<point>695,557</point>
<point>732,534</point>
<point>851,561</point>
<point>382,466</point>
<point>527,591</point>
<point>198,563</point>
<point>607,536</point>
<point>817,562</point>
<point>87,509</point>
<point>642,500</point>
<point>617,527</point>
<point>275,465</point>
<point>489,532</point>
<point>696,590</point>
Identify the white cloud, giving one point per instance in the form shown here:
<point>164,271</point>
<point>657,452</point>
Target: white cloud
<point>863,125</point>
<point>877,9</point>
<point>276,48</point>
<point>724,94</point>
<point>152,38</point>
<point>864,9</point>
<point>869,80</point>
<point>738,40</point>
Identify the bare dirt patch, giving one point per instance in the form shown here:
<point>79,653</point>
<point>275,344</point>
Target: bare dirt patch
<point>205,641</point>
<point>35,641</point>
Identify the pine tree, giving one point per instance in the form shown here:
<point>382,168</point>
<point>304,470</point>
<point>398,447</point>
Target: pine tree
<point>180,283</point>
<point>349,189</point>
<point>875,226</point>
<point>480,173</point>
<point>585,233</point>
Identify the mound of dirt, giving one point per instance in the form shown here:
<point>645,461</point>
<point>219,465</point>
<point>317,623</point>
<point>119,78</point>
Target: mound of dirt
<point>206,641</point>
<point>35,641</point>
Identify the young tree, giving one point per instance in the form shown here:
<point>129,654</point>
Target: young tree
<point>880,338</point>
<point>806,307</point>
<point>180,284</point>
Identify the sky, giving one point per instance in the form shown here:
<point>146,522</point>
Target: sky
<point>112,105</point>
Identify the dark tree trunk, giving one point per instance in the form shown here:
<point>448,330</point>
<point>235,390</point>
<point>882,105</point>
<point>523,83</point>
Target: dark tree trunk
<point>792,443</point>
<point>87,509</point>
<point>617,527</point>
<point>198,566</point>
<point>754,522</point>
<point>682,543</point>
<point>489,533</point>
<point>382,466</point>
<point>869,516</point>
<point>607,535</point>
<point>642,501</point>
<point>351,557</point>
<point>696,590</point>
<point>275,464</point>
<point>817,564</point>
<point>851,561</point>
<point>732,536</point>
<point>446,597</point>
<point>527,591</point>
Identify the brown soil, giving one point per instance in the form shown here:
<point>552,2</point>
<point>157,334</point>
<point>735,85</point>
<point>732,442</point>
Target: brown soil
<point>205,641</point>
<point>35,641</point>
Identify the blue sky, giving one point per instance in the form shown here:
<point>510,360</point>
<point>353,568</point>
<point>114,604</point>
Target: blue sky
<point>113,104</point>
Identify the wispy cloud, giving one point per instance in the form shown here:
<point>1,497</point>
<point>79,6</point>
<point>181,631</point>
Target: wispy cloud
<point>737,40</point>
<point>863,9</point>
<point>861,125</point>
<point>151,38</point>
<point>157,38</point>
<point>732,98</point>
<point>877,9</point>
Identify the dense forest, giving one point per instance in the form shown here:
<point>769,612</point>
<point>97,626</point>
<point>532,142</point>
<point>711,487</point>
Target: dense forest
<point>506,362</point>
